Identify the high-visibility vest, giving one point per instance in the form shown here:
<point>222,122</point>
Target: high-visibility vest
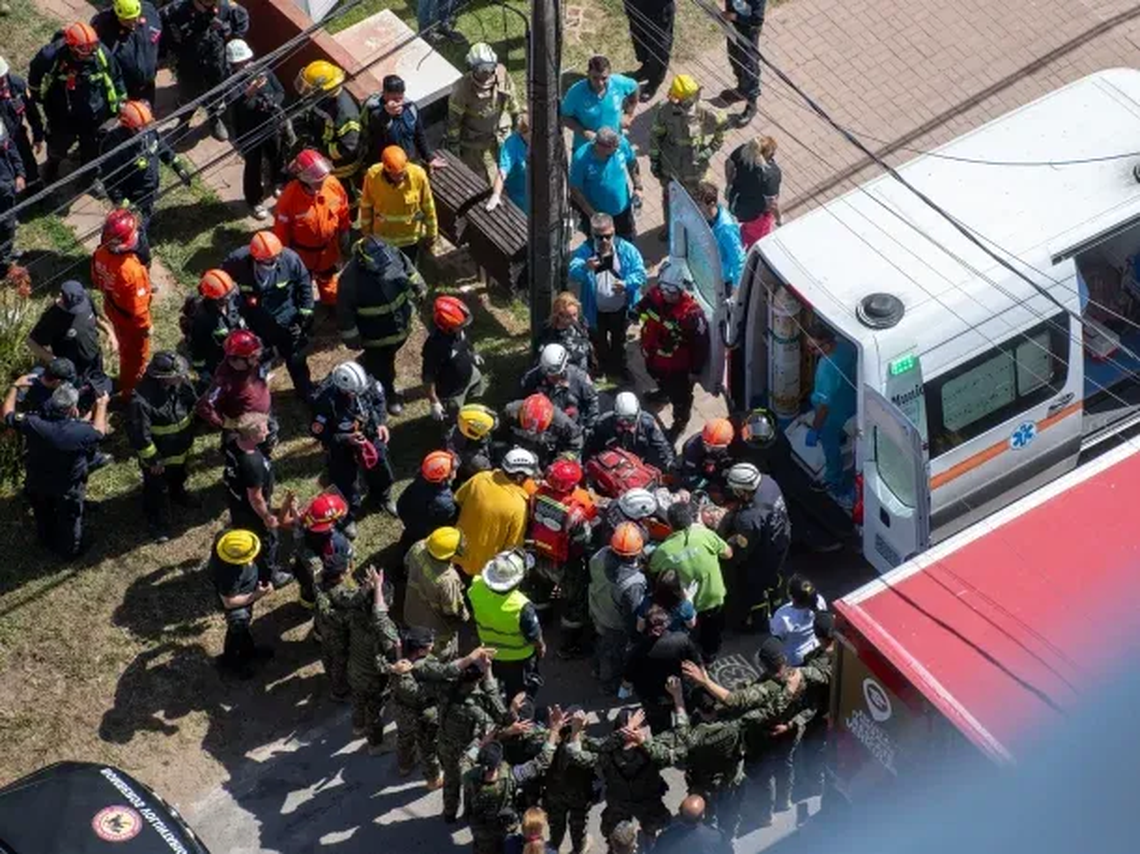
<point>497,620</point>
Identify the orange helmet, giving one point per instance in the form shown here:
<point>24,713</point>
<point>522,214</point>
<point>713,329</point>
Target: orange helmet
<point>81,38</point>
<point>135,115</point>
<point>564,475</point>
<point>718,433</point>
<point>120,230</point>
<point>265,246</point>
<point>215,284</point>
<point>310,166</point>
<point>438,466</point>
<point>627,540</point>
<point>536,413</point>
<point>450,313</point>
<point>394,159</point>
<point>323,512</point>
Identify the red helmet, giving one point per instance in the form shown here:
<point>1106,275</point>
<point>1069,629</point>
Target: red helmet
<point>241,343</point>
<point>215,284</point>
<point>438,466</point>
<point>450,313</point>
<point>718,433</point>
<point>135,115</point>
<point>564,475</point>
<point>310,166</point>
<point>323,512</point>
<point>536,413</point>
<point>120,231</point>
<point>81,38</point>
<point>265,246</point>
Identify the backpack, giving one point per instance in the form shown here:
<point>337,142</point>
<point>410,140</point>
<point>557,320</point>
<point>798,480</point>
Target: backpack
<point>617,470</point>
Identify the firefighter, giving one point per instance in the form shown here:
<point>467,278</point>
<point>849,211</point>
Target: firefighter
<point>196,32</point>
<point>470,439</point>
<point>350,421</point>
<point>12,182</point>
<point>331,122</point>
<point>238,387</point>
<point>132,31</point>
<point>69,328</point>
<point>160,428</point>
<point>540,427</point>
<point>568,387</point>
<point>449,363</point>
<point>19,114</point>
<point>374,309</point>
<point>631,428</point>
<point>207,326</point>
<point>561,517</point>
<point>507,621</point>
<point>684,138</point>
<point>482,112</point>
<point>276,301</point>
<point>322,542</point>
<point>705,459</point>
<point>313,217</point>
<point>79,85</point>
<point>760,533</point>
<point>397,206</point>
<point>121,276</point>
<point>674,340</point>
<point>131,176</point>
<point>429,500</point>
<point>637,505</point>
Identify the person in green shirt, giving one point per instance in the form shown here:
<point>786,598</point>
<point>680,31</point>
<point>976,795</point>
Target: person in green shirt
<point>695,553</point>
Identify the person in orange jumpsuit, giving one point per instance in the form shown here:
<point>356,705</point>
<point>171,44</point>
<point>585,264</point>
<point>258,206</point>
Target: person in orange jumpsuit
<point>313,217</point>
<point>125,284</point>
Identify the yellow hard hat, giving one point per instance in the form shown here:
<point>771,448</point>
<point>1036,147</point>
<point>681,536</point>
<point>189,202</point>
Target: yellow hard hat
<point>238,547</point>
<point>127,10</point>
<point>683,87</point>
<point>320,74</point>
<point>445,543</point>
<point>476,421</point>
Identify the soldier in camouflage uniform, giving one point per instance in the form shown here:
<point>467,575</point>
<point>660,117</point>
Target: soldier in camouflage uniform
<point>482,112</point>
<point>471,710</point>
<point>810,724</point>
<point>335,601</point>
<point>523,742</point>
<point>571,785</point>
<point>684,138</point>
<point>714,761</point>
<point>373,644</point>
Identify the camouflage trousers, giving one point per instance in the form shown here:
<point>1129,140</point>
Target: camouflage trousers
<point>417,732</point>
<point>368,699</point>
<point>561,813</point>
<point>336,671</point>
<point>449,758</point>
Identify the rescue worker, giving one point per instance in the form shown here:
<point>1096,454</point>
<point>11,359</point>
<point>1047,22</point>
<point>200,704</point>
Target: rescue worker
<point>331,121</point>
<point>674,340</point>
<point>493,509</point>
<point>747,19</point>
<point>233,564</point>
<point>391,119</point>
<point>569,388</point>
<point>322,544</point>
<point>537,425</point>
<point>617,586</point>
<point>132,31</point>
<point>213,316</point>
<point>482,111</point>
<point>239,386</point>
<point>78,83</point>
<point>759,533</point>
<point>350,421</point>
<point>124,281</point>
<point>507,621</point>
<point>13,180</point>
<point>601,99</point>
<point>434,596</point>
<point>470,439</point>
<point>70,328</point>
<point>450,365</point>
<point>160,428</point>
<point>705,459</point>
<point>250,482</point>
<point>428,501</point>
<point>276,301</point>
<point>58,448</point>
<point>684,138</point>
<point>313,218</point>
<point>374,309</point>
<point>264,132</point>
<point>334,600</point>
<point>19,114</point>
<point>196,33</point>
<point>629,427</point>
<point>131,176</point>
<point>833,400</point>
<point>396,204</point>
<point>373,644</point>
<point>726,230</point>
<point>639,506</point>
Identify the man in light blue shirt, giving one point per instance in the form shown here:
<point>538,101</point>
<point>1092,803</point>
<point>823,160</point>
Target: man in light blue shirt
<point>726,230</point>
<point>833,397</point>
<point>601,174</point>
<point>598,102</point>
<point>513,154</point>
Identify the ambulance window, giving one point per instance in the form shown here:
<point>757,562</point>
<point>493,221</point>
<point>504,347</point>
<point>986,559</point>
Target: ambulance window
<point>896,468</point>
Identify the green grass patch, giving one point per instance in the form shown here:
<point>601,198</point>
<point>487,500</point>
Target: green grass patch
<point>23,33</point>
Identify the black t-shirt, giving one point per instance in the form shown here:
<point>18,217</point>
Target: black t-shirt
<point>449,362</point>
<point>244,471</point>
<point>653,660</point>
<point>752,186</point>
<point>233,579</point>
<point>58,449</point>
<point>71,336</point>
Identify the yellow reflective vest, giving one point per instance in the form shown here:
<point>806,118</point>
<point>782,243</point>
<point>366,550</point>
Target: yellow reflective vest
<point>498,621</point>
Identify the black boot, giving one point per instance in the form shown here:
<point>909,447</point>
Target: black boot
<point>746,115</point>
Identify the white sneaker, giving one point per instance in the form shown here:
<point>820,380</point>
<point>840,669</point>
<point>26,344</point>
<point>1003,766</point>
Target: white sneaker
<point>260,212</point>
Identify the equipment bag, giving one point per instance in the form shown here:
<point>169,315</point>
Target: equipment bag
<point>617,470</point>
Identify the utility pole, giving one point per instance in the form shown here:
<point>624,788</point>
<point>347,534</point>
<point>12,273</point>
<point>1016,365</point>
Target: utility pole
<point>546,245</point>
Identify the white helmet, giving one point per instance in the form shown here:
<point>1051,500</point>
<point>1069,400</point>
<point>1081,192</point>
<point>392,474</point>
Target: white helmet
<point>520,461</point>
<point>238,51</point>
<point>626,406</point>
<point>637,503</point>
<point>744,477</point>
<point>481,53</point>
<point>350,378</point>
<point>3,66</point>
<point>554,360</point>
<point>675,273</point>
<point>506,570</point>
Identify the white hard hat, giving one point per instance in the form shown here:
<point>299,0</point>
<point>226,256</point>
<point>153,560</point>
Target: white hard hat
<point>626,406</point>
<point>3,66</point>
<point>238,51</point>
<point>505,571</point>
<point>520,461</point>
<point>675,273</point>
<point>350,378</point>
<point>744,477</point>
<point>637,503</point>
<point>481,53</point>
<point>553,360</point>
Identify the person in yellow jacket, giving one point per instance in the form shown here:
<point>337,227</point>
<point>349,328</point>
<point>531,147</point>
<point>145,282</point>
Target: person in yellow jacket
<point>493,507</point>
<point>396,203</point>
<point>507,622</point>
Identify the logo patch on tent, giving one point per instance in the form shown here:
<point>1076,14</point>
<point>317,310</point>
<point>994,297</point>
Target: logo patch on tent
<point>116,824</point>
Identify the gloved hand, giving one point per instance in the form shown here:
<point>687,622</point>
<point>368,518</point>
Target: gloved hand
<point>181,171</point>
<point>436,411</point>
<point>812,438</point>
<point>290,134</point>
<point>493,203</point>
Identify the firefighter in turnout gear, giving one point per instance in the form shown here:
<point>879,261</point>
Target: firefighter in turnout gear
<point>684,138</point>
<point>120,275</point>
<point>208,319</point>
<point>331,124</point>
<point>760,534</point>
<point>568,387</point>
<point>132,31</point>
<point>540,427</point>
<point>632,429</point>
<point>19,113</point>
<point>160,428</point>
<point>470,439</point>
<point>322,542</point>
<point>482,112</point>
<point>434,597</point>
<point>13,181</point>
<point>428,502</point>
<point>396,204</point>
<point>705,459</point>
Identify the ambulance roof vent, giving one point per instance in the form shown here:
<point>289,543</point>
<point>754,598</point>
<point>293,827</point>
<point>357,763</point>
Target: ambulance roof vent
<point>880,311</point>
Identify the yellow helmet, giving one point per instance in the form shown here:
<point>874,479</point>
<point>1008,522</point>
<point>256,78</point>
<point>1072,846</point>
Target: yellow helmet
<point>445,543</point>
<point>238,547</point>
<point>127,10</point>
<point>476,421</point>
<point>320,74</point>
<point>683,88</point>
